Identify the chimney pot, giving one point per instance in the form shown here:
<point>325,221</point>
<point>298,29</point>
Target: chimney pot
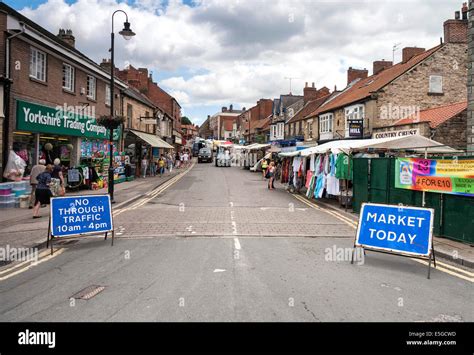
<point>457,15</point>
<point>306,84</point>
<point>66,36</point>
<point>312,84</point>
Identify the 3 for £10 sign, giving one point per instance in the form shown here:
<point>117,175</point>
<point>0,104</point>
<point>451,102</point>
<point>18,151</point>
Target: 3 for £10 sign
<point>397,229</point>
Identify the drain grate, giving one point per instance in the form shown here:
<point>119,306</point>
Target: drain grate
<point>88,292</point>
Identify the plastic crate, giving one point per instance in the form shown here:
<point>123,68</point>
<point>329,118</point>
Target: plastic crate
<point>6,188</point>
<point>7,198</point>
<point>20,185</point>
<point>10,204</point>
<point>18,193</point>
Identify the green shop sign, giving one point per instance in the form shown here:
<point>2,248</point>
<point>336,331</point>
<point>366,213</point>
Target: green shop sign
<point>62,120</point>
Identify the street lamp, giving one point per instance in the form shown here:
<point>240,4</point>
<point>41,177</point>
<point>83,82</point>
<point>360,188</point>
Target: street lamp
<point>127,33</point>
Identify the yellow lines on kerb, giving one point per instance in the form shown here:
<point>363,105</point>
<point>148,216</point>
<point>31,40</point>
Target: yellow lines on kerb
<point>339,216</point>
<point>153,193</point>
<point>45,255</point>
<point>440,266</point>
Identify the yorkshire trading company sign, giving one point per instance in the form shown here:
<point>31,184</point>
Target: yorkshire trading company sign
<point>43,119</point>
<point>449,176</point>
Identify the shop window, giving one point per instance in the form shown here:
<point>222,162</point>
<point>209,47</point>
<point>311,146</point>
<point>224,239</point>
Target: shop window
<point>91,87</point>
<point>37,64</point>
<point>107,95</point>
<point>68,77</point>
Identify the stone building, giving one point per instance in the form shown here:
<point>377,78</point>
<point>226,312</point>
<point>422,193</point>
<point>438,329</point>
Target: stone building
<point>470,81</point>
<point>423,79</point>
<point>445,124</point>
<point>280,115</point>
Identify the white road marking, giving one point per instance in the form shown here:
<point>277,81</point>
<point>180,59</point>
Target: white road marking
<point>219,270</point>
<point>236,243</point>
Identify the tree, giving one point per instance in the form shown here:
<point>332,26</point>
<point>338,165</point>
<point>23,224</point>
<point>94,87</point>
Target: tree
<point>185,120</point>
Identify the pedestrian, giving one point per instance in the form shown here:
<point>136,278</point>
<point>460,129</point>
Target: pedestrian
<point>177,160</point>
<point>264,167</point>
<point>170,162</point>
<point>152,167</point>
<point>43,191</point>
<point>271,176</point>
<point>161,165</point>
<point>57,179</point>
<point>35,171</point>
<point>185,158</point>
<point>144,165</point>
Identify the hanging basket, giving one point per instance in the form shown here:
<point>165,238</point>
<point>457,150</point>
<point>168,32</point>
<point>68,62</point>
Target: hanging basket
<point>110,122</point>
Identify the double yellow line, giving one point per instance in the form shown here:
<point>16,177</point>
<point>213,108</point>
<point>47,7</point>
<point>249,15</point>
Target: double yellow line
<point>153,193</point>
<point>441,266</point>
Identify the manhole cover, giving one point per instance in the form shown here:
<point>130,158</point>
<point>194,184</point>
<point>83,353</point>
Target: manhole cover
<point>88,292</point>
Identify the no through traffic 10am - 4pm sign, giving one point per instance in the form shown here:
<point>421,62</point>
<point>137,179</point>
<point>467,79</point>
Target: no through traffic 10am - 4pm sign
<point>402,230</point>
<point>75,215</point>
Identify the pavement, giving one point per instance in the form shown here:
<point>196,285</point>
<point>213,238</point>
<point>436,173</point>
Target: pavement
<point>214,244</point>
<point>17,224</point>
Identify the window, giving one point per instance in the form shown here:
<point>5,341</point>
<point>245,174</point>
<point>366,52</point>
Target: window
<point>436,84</point>
<point>68,77</point>
<point>355,112</point>
<point>310,129</point>
<point>129,116</point>
<point>292,129</point>
<point>107,95</point>
<point>91,87</point>
<point>37,64</point>
<point>326,122</point>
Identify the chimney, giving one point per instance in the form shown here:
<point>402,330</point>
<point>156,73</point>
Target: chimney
<point>312,84</point>
<point>455,31</point>
<point>224,109</point>
<point>105,65</point>
<point>243,108</point>
<point>380,65</point>
<point>67,36</point>
<point>353,74</point>
<point>230,108</point>
<point>410,52</point>
<point>309,93</point>
<point>324,91</point>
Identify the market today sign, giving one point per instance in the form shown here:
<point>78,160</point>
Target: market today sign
<point>60,120</point>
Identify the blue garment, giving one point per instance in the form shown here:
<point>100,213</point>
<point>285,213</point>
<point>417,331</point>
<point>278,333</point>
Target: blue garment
<point>43,180</point>
<point>318,191</point>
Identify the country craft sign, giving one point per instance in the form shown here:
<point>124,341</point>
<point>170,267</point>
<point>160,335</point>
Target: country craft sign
<point>396,229</point>
<point>32,117</point>
<point>450,176</point>
<point>74,215</point>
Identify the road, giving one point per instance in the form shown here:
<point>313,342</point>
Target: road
<point>217,245</point>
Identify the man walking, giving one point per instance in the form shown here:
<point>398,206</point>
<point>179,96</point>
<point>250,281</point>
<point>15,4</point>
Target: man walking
<point>35,171</point>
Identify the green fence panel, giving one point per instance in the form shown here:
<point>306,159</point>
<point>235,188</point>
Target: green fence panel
<point>379,180</point>
<point>458,218</point>
<point>360,183</point>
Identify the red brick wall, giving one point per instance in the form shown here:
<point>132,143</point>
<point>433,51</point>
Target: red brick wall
<point>409,52</point>
<point>353,74</point>
<point>455,31</point>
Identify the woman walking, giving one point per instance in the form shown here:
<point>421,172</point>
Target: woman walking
<point>57,179</point>
<point>43,192</point>
<point>271,176</point>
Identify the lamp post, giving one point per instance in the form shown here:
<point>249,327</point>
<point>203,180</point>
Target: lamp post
<point>127,33</point>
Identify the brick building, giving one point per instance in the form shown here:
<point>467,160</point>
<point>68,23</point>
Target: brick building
<point>422,80</point>
<point>252,121</point>
<point>223,124</point>
<point>170,125</point>
<point>281,114</point>
<point>52,96</point>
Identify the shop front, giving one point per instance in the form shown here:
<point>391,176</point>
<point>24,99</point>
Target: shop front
<point>43,132</point>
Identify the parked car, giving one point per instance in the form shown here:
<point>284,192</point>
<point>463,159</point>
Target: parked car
<point>205,154</point>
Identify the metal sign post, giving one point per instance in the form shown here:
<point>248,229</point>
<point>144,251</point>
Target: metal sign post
<point>80,215</point>
<point>394,229</point>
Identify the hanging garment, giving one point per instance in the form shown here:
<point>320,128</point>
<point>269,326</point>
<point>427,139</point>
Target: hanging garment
<point>327,164</point>
<point>311,162</point>
<point>317,164</point>
<point>333,158</point>
<point>312,185</point>
<point>320,182</point>
<point>332,185</point>
<point>344,166</point>
<point>309,175</point>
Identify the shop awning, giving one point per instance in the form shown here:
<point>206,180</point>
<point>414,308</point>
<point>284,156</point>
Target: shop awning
<point>152,140</point>
<point>256,146</point>
<point>415,142</point>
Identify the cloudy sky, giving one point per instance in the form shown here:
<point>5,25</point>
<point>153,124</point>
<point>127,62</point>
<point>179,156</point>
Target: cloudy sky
<point>211,53</point>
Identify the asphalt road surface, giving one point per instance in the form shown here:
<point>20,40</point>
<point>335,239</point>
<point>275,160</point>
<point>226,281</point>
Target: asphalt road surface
<point>217,245</point>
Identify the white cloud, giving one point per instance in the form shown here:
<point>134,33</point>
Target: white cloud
<point>245,47</point>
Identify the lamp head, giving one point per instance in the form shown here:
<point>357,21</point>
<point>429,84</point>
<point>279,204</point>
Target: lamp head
<point>127,33</point>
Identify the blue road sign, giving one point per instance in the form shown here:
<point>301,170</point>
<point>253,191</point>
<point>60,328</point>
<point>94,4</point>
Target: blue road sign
<point>80,215</point>
<point>398,229</point>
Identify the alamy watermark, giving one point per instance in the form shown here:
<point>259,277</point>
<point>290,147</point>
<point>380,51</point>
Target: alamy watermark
<point>397,112</point>
<point>344,254</point>
<point>10,254</point>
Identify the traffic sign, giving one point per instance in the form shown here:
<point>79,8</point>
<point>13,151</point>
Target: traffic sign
<point>398,229</point>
